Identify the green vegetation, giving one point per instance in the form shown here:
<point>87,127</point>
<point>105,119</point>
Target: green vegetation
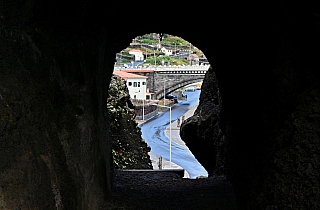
<point>167,40</point>
<point>150,60</point>
<point>148,41</point>
<point>121,63</point>
<point>174,40</point>
<point>127,56</point>
<point>180,62</point>
<point>144,49</point>
<point>166,59</point>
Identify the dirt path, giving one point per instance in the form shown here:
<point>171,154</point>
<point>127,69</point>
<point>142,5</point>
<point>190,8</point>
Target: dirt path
<point>141,190</point>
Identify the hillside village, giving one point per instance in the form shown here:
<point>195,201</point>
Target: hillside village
<point>150,50</point>
<point>153,49</point>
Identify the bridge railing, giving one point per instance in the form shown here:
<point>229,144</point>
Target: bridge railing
<point>135,68</point>
<point>167,68</point>
<point>188,67</point>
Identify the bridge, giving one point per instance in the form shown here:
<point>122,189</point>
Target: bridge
<point>169,78</point>
<point>168,69</point>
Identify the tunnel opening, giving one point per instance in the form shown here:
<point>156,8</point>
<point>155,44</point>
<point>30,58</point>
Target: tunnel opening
<point>54,81</point>
<point>156,130</point>
<point>154,65</point>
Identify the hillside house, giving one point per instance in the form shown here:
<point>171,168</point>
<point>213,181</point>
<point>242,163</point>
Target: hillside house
<point>138,54</point>
<point>166,51</point>
<point>137,84</point>
<point>194,59</point>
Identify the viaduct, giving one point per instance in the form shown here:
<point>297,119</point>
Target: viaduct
<point>169,78</point>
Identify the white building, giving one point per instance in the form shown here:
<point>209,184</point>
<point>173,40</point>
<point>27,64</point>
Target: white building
<point>194,59</point>
<point>138,54</point>
<point>166,51</point>
<point>137,84</point>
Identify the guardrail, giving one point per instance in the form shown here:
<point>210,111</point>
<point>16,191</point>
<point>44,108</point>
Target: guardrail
<point>167,68</point>
<point>180,172</point>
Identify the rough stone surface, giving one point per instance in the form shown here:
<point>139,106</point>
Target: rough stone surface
<point>56,61</point>
<point>165,190</point>
<point>202,133</point>
<point>129,150</point>
<point>54,132</point>
<point>269,115</point>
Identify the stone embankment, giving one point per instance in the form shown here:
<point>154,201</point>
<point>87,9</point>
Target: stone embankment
<point>129,151</point>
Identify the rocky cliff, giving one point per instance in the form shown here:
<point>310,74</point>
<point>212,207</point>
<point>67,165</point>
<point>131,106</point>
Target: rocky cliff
<point>54,127</point>
<point>266,125</point>
<point>202,132</point>
<point>129,150</point>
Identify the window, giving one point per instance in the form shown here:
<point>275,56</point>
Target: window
<point>135,84</point>
<point>138,84</point>
<point>135,96</point>
<point>129,83</point>
<point>143,83</point>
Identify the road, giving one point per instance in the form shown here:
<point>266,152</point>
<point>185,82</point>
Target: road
<point>153,131</point>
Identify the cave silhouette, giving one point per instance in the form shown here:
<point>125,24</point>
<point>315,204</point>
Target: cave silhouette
<point>56,61</point>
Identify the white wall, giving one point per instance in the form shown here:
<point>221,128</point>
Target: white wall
<point>138,56</point>
<point>139,92</point>
<point>166,52</point>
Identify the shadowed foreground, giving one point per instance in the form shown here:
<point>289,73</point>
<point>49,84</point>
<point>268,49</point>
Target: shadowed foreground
<point>141,190</point>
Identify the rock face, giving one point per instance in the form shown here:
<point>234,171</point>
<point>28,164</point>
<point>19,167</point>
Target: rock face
<point>56,62</point>
<point>269,117</point>
<point>129,151</point>
<point>54,127</point>
<point>201,132</point>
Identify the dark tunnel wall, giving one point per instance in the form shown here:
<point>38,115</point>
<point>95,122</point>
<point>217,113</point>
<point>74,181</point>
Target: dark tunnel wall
<point>56,63</point>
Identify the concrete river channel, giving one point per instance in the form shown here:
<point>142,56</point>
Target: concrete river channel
<point>153,132</point>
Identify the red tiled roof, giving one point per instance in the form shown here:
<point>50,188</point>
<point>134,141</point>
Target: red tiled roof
<point>137,70</point>
<point>126,75</point>
<point>195,55</point>
<point>135,50</point>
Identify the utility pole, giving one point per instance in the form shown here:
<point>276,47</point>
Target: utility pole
<point>154,53</point>
<point>120,59</point>
<point>144,97</point>
<point>190,53</point>
<point>164,92</point>
<point>159,46</point>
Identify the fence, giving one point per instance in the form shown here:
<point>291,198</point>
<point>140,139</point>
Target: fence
<point>147,116</point>
<point>148,108</point>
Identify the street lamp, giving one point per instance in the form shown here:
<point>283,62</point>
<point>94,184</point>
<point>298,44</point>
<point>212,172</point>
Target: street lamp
<point>170,128</point>
<point>164,91</point>
<point>144,97</point>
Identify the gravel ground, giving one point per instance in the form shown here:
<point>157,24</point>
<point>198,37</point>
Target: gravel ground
<point>166,190</point>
